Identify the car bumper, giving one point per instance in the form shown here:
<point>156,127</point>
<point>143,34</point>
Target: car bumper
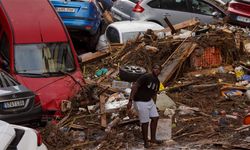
<point>239,20</point>
<point>82,25</point>
<point>42,147</point>
<point>23,117</point>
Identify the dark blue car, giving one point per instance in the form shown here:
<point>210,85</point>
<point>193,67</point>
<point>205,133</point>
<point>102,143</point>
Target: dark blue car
<point>83,18</point>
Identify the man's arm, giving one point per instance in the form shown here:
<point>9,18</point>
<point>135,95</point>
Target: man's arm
<point>134,89</point>
<point>154,97</point>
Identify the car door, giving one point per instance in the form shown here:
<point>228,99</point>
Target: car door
<point>175,10</point>
<point>206,12</point>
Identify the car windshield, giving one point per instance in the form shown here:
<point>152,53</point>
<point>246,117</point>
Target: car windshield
<point>43,58</point>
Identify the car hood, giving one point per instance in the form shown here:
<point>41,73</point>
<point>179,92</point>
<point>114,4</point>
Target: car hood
<point>7,134</point>
<point>52,90</point>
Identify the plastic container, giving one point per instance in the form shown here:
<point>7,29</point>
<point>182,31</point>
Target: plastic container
<point>122,85</point>
<point>239,73</point>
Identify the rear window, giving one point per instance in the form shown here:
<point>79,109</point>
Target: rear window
<point>16,140</point>
<point>112,35</point>
<point>6,80</point>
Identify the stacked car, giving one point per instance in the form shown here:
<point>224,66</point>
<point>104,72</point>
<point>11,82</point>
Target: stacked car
<point>239,12</point>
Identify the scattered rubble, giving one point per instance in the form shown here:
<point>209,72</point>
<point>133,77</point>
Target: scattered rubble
<point>207,101</point>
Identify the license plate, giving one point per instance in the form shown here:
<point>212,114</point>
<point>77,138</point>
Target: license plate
<point>243,19</point>
<point>13,104</point>
<point>64,9</point>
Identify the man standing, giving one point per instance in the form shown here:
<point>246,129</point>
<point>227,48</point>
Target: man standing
<point>144,93</point>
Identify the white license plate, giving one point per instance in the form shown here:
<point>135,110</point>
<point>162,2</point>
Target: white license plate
<point>13,104</point>
<point>243,19</point>
<point>64,9</point>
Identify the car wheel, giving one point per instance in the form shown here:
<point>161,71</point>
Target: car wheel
<point>131,73</point>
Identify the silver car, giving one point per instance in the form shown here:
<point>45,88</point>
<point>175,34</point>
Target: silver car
<point>175,10</point>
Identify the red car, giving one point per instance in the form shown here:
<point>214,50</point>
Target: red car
<point>36,49</point>
<point>239,12</point>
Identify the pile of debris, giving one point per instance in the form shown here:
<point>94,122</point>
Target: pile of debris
<point>205,78</point>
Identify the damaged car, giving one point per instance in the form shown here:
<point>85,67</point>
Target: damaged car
<point>239,12</point>
<point>17,103</point>
<point>15,137</point>
<point>175,10</point>
<point>82,18</point>
<point>39,53</point>
<point>122,31</point>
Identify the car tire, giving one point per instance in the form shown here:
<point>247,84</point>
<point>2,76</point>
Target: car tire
<point>131,73</point>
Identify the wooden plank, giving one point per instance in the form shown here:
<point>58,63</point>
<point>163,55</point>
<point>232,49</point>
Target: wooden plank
<point>102,110</point>
<point>170,25</point>
<point>175,60</point>
<point>90,57</point>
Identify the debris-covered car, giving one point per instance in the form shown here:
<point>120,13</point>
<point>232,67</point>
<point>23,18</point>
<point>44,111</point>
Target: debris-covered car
<point>17,103</point>
<point>239,12</point>
<point>81,17</point>
<point>19,137</point>
<point>175,10</point>
<point>122,31</point>
<point>39,53</point>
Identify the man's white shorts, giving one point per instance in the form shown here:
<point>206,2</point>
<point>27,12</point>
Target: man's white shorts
<point>146,110</point>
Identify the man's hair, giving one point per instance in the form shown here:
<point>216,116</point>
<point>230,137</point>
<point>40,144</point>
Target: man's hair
<point>157,66</point>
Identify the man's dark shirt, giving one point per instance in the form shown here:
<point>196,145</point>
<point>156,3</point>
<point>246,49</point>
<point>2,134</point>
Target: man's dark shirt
<point>148,86</point>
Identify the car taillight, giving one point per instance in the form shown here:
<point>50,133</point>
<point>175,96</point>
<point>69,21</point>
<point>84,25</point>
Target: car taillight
<point>37,100</point>
<point>138,8</point>
<point>39,138</point>
<point>234,5</point>
<point>88,27</point>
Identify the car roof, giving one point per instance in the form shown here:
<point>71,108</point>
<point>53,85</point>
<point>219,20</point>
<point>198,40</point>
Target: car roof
<point>34,21</point>
<point>135,26</point>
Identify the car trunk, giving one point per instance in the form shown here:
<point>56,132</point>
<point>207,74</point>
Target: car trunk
<point>72,9</point>
<point>241,7</point>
